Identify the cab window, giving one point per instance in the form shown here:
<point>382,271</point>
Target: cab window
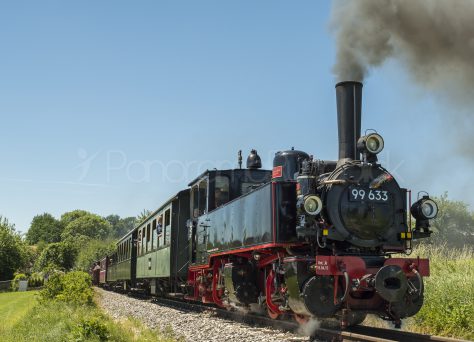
<point>203,196</point>
<point>195,201</point>
<point>221,192</point>
<point>199,198</point>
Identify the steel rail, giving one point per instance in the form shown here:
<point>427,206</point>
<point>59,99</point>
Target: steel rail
<point>357,333</point>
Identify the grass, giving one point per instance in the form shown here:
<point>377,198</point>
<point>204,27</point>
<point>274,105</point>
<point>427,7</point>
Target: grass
<point>449,295</point>
<point>28,320</point>
<point>448,308</point>
<point>14,306</point>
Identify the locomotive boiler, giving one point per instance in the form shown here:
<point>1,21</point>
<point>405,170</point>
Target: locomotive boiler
<point>355,214</point>
<point>308,239</point>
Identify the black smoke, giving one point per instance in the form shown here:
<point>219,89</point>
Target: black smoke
<point>432,39</point>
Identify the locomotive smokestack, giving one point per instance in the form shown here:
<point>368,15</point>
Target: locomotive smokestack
<point>349,103</point>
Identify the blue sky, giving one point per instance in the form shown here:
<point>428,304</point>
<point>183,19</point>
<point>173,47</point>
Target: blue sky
<point>112,106</point>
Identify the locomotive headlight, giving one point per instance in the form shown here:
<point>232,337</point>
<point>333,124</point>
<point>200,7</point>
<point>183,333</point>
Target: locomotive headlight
<point>424,209</point>
<point>372,143</point>
<point>312,205</point>
<point>429,209</point>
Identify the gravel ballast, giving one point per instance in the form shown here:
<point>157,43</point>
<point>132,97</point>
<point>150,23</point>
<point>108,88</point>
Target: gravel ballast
<point>190,326</point>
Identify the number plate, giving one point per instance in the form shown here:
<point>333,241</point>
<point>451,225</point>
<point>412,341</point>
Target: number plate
<point>370,195</point>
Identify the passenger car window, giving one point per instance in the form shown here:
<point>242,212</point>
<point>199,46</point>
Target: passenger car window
<point>139,243</point>
<point>154,235</point>
<point>148,238</point>
<point>167,227</point>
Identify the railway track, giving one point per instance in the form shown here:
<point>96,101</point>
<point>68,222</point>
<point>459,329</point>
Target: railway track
<point>365,333</point>
<point>234,315</point>
<point>357,333</point>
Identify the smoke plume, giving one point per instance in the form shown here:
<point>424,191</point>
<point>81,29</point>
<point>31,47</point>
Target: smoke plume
<point>433,38</point>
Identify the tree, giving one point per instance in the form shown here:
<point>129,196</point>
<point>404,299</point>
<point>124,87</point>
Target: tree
<point>90,225</point>
<point>70,216</point>
<point>143,216</point>
<point>454,224</point>
<point>44,228</point>
<point>113,220</point>
<point>13,253</point>
<point>120,226</point>
<point>57,255</point>
<point>92,251</point>
<point>125,225</point>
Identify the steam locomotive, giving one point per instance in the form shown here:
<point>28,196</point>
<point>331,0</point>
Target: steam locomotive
<point>310,238</point>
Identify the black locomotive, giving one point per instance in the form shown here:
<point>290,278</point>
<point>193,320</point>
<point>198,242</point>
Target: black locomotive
<point>310,238</point>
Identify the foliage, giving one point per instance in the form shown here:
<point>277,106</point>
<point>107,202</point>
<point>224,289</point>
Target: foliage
<point>58,255</point>
<point>71,216</point>
<point>454,224</point>
<point>73,287</point>
<point>449,292</point>
<point>92,251</point>
<point>90,225</point>
<point>13,251</point>
<point>40,246</point>
<point>76,288</point>
<point>89,328</point>
<point>35,280</point>
<point>53,286</point>
<point>58,321</point>
<point>30,256</point>
<point>143,216</point>
<point>16,281</point>
<point>120,226</point>
<point>44,228</point>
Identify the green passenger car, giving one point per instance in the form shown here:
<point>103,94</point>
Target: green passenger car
<point>120,266</point>
<point>143,257</point>
<point>162,235</point>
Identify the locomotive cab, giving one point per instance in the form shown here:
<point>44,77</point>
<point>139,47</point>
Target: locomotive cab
<point>212,190</point>
<point>215,188</point>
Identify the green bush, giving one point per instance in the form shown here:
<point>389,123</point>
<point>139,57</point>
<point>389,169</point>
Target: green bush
<point>73,287</point>
<point>16,281</point>
<point>13,250</point>
<point>36,280</point>
<point>58,255</point>
<point>89,328</point>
